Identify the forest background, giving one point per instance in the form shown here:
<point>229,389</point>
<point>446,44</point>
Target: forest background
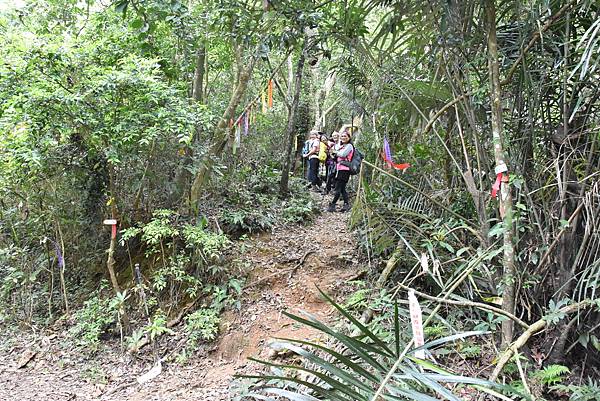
<point>158,114</point>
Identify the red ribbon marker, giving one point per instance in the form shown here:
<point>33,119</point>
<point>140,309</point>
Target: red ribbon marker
<point>496,186</point>
<point>499,170</point>
<point>391,164</point>
<point>113,229</point>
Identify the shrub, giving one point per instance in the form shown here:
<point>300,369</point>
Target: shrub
<point>93,320</point>
<point>202,325</point>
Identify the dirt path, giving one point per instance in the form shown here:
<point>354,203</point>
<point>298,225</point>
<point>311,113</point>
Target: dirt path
<point>321,258</point>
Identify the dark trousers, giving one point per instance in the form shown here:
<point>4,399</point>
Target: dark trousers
<point>340,187</point>
<point>313,171</point>
<point>331,170</point>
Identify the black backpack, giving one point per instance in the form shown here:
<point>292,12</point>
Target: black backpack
<point>355,162</point>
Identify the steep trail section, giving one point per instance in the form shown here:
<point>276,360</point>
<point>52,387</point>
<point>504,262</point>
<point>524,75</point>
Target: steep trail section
<point>286,267</point>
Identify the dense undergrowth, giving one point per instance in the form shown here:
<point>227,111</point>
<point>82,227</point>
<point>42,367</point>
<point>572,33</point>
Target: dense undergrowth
<point>160,115</point>
<point>166,263</point>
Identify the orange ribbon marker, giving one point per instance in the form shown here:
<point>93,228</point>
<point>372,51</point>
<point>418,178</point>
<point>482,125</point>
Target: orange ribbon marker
<point>270,93</point>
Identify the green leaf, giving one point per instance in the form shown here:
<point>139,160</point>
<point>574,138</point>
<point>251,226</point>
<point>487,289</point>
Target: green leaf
<point>121,6</point>
<point>374,377</point>
<point>357,323</point>
<point>137,23</point>
<point>595,342</point>
<point>496,231</point>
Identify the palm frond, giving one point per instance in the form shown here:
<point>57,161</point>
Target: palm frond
<point>353,368</point>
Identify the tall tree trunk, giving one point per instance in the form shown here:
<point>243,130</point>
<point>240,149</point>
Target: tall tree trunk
<point>287,161</point>
<point>197,85</point>
<point>183,175</point>
<point>317,97</point>
<point>505,201</point>
<point>321,95</point>
<point>222,133</point>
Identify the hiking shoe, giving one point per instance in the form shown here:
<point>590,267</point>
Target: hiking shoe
<point>345,208</point>
<point>331,208</point>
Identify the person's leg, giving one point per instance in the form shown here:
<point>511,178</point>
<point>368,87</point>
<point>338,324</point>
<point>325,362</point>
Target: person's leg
<point>346,206</point>
<point>342,180</point>
<point>312,171</point>
<point>318,175</point>
<point>330,177</point>
<point>345,193</point>
<point>336,195</point>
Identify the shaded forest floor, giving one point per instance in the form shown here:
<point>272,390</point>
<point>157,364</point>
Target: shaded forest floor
<point>287,266</point>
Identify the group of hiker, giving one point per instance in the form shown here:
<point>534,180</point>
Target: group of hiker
<point>329,160</point>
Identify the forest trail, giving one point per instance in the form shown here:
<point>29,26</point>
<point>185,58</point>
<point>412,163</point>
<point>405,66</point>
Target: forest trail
<point>287,266</point>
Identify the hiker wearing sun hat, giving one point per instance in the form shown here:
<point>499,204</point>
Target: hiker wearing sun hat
<point>343,152</point>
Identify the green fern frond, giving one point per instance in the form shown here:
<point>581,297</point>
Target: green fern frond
<point>586,392</point>
<point>551,374</point>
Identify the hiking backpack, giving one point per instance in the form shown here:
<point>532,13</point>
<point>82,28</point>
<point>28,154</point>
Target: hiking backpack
<point>355,162</point>
<point>306,148</point>
<point>322,152</point>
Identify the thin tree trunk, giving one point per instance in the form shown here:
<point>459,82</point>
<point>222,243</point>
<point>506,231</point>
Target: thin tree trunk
<point>62,267</point>
<point>183,175</point>
<point>317,97</point>
<point>197,85</point>
<point>221,133</point>
<point>285,171</point>
<point>505,201</point>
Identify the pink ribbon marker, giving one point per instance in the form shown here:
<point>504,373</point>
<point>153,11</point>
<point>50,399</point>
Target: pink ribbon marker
<point>496,186</point>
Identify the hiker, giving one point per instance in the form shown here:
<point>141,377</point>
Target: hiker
<point>323,156</point>
<point>331,162</point>
<point>313,160</point>
<point>343,151</point>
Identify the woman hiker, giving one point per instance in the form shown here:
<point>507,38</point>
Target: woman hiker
<point>313,160</point>
<point>344,151</point>
<point>331,162</point>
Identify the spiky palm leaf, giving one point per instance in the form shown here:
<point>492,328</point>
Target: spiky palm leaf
<point>358,366</point>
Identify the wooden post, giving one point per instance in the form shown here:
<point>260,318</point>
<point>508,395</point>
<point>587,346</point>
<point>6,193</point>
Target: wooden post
<point>110,262</point>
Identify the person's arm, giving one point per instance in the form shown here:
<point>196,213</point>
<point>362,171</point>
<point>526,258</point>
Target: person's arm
<point>345,150</point>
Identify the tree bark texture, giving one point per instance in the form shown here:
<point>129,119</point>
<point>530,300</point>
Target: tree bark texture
<point>183,175</point>
<point>222,133</point>
<point>505,199</point>
<point>199,72</point>
<point>285,171</point>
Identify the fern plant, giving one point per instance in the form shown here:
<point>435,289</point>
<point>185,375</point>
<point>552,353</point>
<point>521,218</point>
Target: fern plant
<point>551,374</point>
<point>586,392</point>
<point>359,368</point>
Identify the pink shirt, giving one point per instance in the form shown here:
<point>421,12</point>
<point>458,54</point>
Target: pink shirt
<point>348,157</point>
